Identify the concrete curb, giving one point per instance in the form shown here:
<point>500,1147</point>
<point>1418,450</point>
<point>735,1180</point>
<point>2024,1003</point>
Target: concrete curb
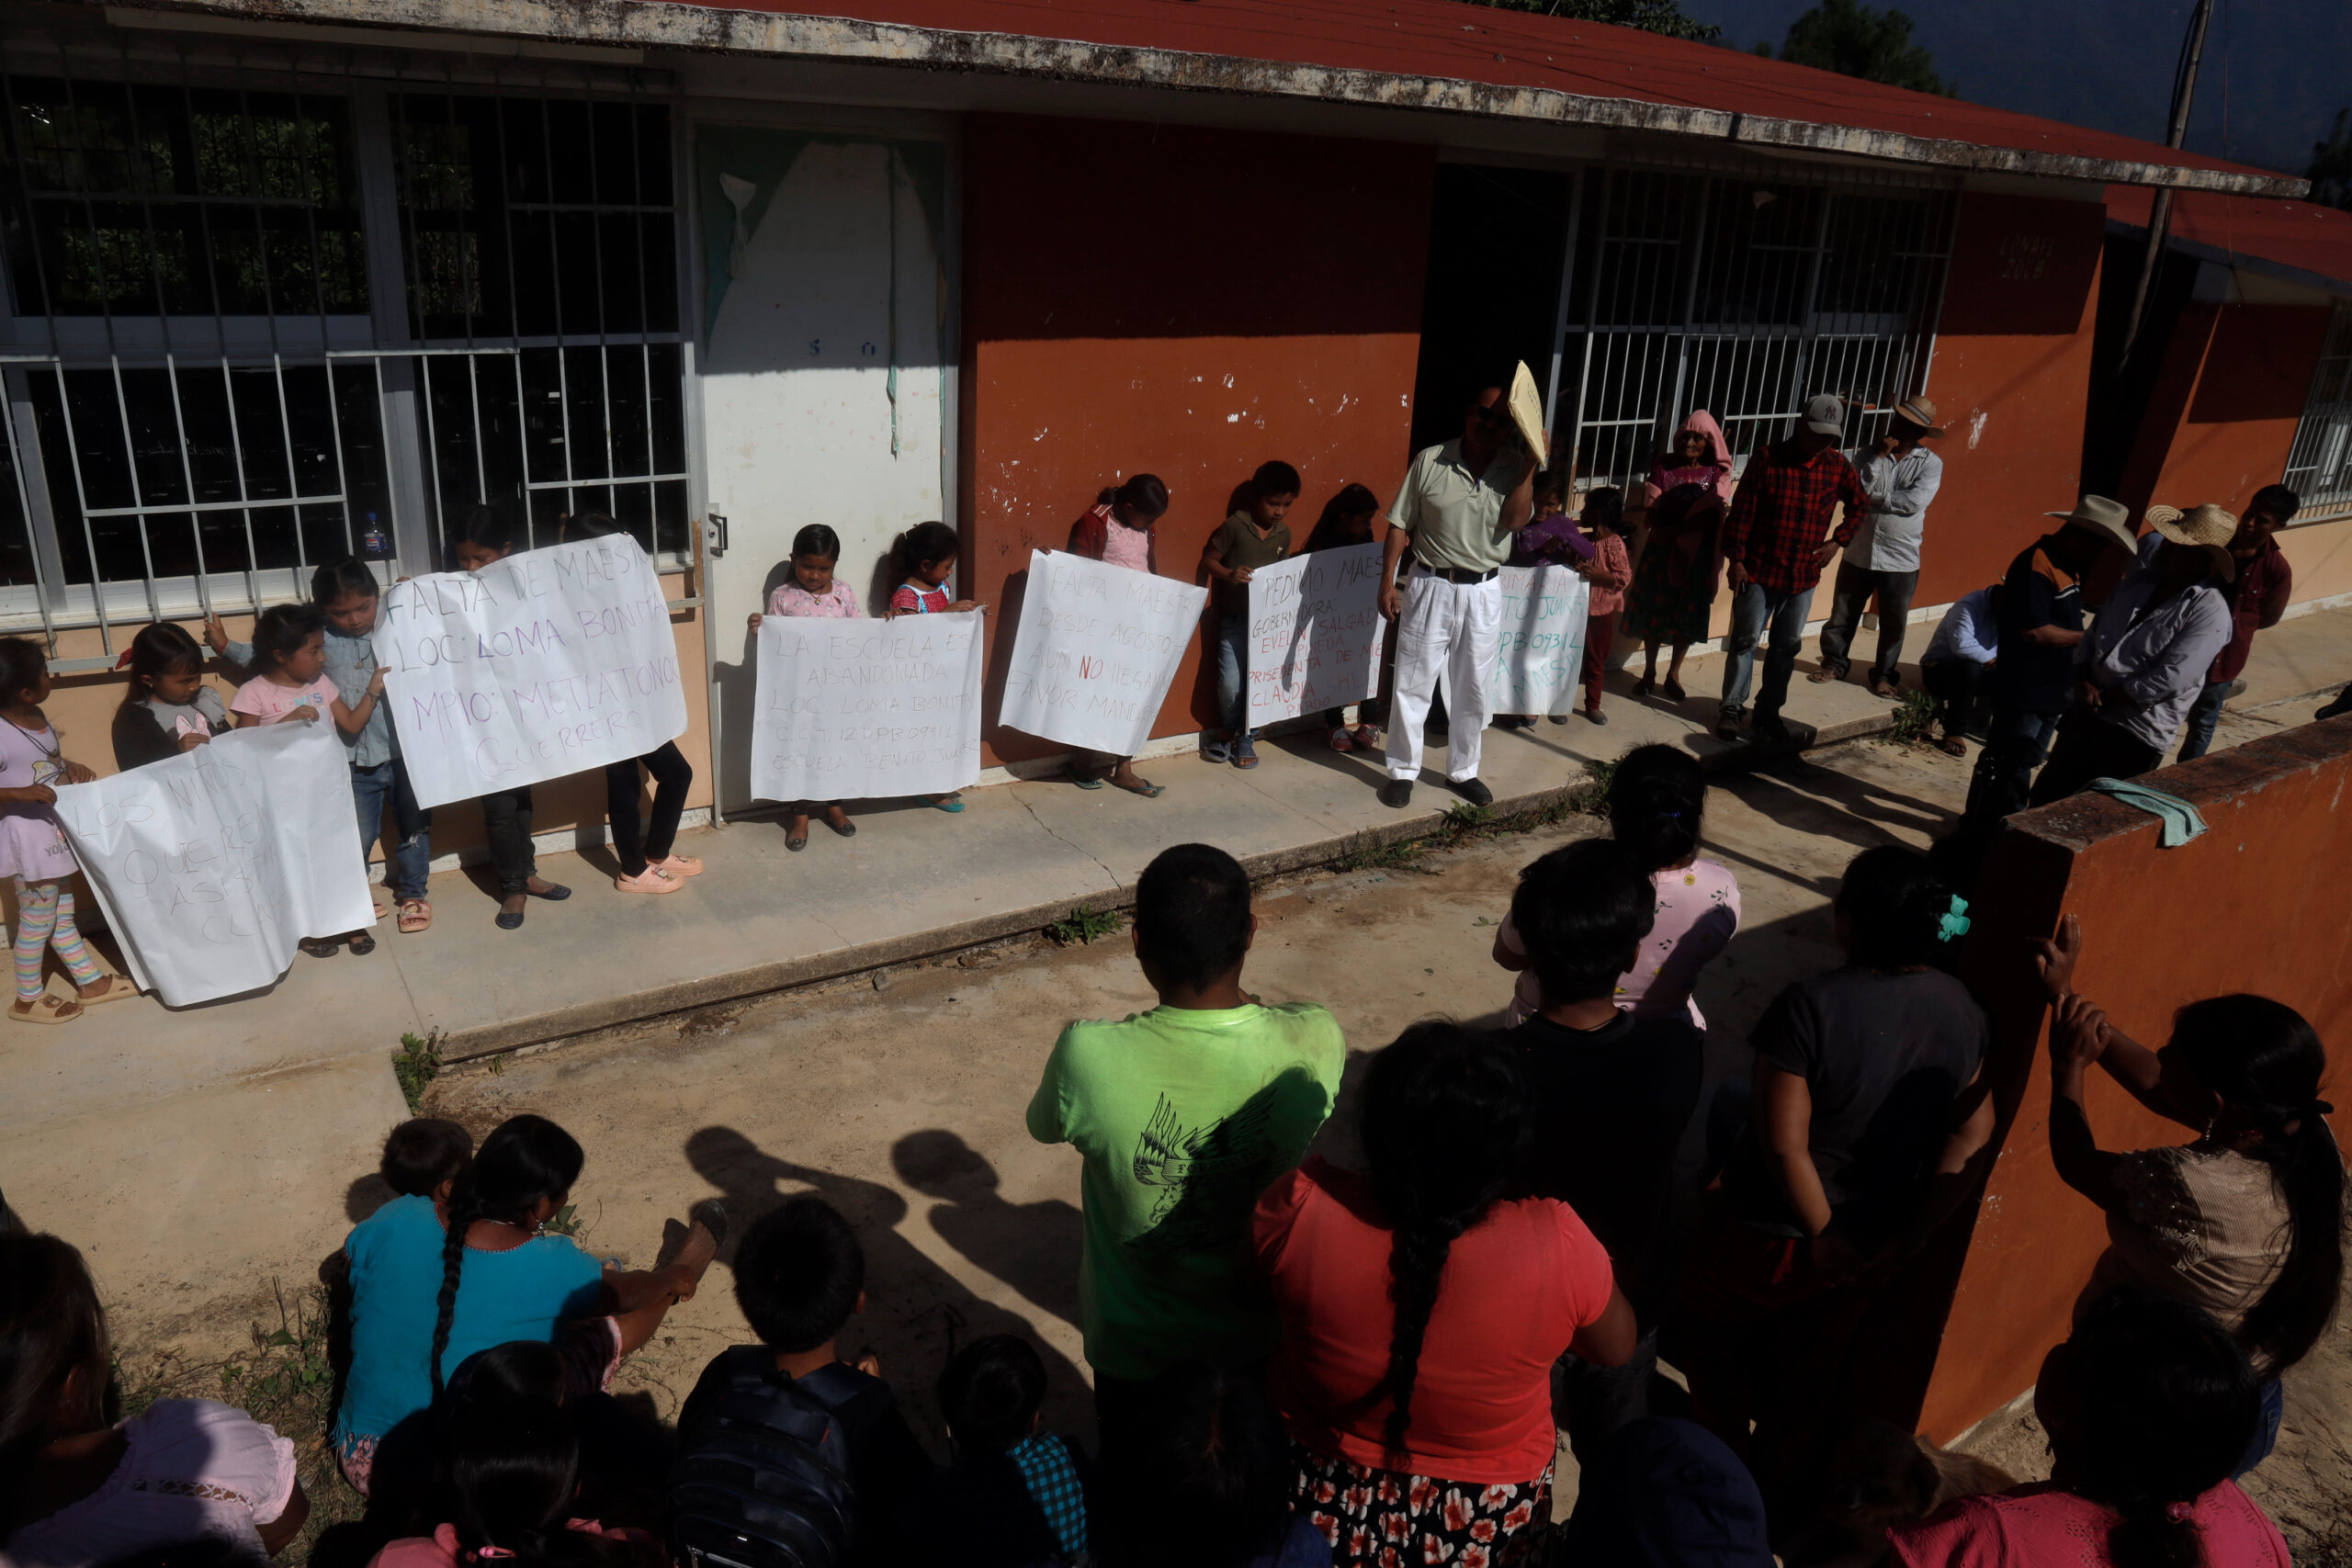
<point>764,979</point>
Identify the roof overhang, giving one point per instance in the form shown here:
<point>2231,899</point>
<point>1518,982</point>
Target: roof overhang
<point>663,24</point>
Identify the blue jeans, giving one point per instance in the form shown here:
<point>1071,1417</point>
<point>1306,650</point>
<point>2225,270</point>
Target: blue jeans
<point>1753,609</point>
<point>408,848</point>
<point>1233,677</point>
<point>2265,1429</point>
<point>2197,730</point>
<point>2016,742</point>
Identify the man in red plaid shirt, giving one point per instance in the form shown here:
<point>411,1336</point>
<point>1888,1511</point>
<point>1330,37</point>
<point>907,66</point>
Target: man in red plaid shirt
<point>1775,543</point>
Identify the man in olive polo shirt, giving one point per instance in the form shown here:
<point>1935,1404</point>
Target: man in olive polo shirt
<point>1457,509</point>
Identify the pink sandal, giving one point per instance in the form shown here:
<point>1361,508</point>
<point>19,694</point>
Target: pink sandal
<point>653,879</point>
<point>679,866</point>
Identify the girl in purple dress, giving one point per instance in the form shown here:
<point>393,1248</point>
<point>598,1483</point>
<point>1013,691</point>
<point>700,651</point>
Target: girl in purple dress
<point>32,847</point>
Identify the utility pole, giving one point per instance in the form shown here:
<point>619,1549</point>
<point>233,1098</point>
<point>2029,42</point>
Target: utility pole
<point>2184,89</point>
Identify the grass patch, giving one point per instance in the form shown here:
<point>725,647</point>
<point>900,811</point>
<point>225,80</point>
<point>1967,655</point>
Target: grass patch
<point>1464,818</point>
<point>415,1064</point>
<point>1377,854</point>
<point>1914,720</point>
<point>1085,925</point>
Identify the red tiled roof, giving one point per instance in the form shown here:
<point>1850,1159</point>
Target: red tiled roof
<point>2300,237</point>
<point>1504,49</point>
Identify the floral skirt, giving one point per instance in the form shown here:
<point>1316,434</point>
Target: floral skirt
<point>1384,1518</point>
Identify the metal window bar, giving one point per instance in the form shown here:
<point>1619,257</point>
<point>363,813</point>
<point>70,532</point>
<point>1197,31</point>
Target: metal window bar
<point>2319,461</point>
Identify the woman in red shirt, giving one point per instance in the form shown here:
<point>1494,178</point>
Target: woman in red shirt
<point>1422,1308</point>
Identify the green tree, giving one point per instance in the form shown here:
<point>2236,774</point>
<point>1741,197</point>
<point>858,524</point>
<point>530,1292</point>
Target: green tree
<point>1650,15</point>
<point>1854,41</point>
<point>2331,170</point>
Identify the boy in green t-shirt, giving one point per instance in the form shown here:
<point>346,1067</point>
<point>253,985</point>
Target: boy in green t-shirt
<point>1255,536</point>
<point>1185,1114</point>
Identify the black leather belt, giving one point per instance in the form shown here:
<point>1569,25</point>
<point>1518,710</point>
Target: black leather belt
<point>1458,576</point>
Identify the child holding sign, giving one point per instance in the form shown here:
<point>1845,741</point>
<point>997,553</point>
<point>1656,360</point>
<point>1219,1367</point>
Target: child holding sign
<point>925,557</point>
<point>1118,530</point>
<point>811,589</point>
<point>1348,518</point>
<point>32,848</point>
<point>167,708</point>
<point>1253,536</point>
<point>487,535</point>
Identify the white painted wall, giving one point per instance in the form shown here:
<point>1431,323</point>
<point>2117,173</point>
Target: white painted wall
<point>796,408</point>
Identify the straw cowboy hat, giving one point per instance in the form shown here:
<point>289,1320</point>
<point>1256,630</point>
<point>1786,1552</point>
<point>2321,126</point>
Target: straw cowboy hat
<point>2110,520</point>
<point>1921,412</point>
<point>2209,526</point>
<point>1526,407</point>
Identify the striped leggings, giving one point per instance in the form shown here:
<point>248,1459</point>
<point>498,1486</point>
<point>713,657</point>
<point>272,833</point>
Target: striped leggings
<point>45,919</point>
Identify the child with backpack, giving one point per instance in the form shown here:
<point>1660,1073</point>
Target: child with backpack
<point>785,1452</point>
<point>1014,1497</point>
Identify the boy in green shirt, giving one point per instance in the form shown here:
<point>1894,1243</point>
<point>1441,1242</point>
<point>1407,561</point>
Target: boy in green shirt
<point>1184,1114</point>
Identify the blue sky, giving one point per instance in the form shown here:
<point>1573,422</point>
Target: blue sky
<point>2275,73</point>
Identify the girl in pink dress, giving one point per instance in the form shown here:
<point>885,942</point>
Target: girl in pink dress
<point>32,847</point>
<point>1120,529</point>
<point>1656,798</point>
<point>809,587</point>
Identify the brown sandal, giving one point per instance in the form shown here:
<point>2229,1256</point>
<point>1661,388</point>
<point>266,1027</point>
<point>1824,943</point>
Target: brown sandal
<point>416,915</point>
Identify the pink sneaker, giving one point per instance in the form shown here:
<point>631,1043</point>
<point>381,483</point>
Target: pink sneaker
<point>1340,741</point>
<point>653,879</point>
<point>677,866</point>
<point>1367,738</point>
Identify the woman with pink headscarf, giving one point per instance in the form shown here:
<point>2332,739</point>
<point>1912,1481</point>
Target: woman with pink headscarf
<point>1673,590</point>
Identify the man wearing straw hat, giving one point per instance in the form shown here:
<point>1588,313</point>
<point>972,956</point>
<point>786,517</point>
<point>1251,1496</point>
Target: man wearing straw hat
<point>2033,674</point>
<point>2145,658</point>
<point>1901,477</point>
<point>1457,509</point>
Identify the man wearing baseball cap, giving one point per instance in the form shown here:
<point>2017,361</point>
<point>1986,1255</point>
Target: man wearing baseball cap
<point>1901,477</point>
<point>2146,656</point>
<point>2033,675</point>
<point>1775,543</point>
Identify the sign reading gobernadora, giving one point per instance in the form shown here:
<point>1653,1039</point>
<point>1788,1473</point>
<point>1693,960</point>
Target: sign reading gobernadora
<point>544,663</point>
<point>212,864</point>
<point>1315,631</point>
<point>1097,647</point>
<point>850,710</point>
<point>1541,651</point>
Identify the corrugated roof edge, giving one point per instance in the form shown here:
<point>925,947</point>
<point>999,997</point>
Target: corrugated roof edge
<point>673,25</point>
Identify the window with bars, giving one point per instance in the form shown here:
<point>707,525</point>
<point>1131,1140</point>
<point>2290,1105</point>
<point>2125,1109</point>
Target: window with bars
<point>2319,464</point>
<point>1742,296</point>
<point>211,384</point>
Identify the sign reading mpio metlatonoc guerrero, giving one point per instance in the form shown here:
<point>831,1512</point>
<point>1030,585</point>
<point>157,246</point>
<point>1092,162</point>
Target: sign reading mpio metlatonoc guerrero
<point>1097,647</point>
<point>544,663</point>
<point>211,866</point>
<point>851,710</point>
<point>1315,633</point>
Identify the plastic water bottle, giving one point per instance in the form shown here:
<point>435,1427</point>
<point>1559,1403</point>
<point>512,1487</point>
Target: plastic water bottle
<point>374,543</point>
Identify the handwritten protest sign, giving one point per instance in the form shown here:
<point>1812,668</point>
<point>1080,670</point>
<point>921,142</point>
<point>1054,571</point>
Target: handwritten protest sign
<point>212,864</point>
<point>1096,649</point>
<point>1314,632</point>
<point>1542,647</point>
<point>542,664</point>
<point>850,710</point>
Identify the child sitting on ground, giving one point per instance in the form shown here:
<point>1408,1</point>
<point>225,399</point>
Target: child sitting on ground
<point>1254,536</point>
<point>1015,1496</point>
<point>810,588</point>
<point>1613,1091</point>
<point>1348,519</point>
<point>32,846</point>
<point>790,1412</point>
<point>423,1157</point>
<point>1120,529</point>
<point>168,708</point>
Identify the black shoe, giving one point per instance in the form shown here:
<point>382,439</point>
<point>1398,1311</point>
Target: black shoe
<point>1727,723</point>
<point>1474,791</point>
<point>1772,732</point>
<point>513,922</point>
<point>713,1216</point>
<point>319,947</point>
<point>555,894</point>
<point>2340,707</point>
<point>1397,793</point>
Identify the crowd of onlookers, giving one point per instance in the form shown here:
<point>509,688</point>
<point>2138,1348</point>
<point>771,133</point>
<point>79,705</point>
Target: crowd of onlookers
<point>1297,1360</point>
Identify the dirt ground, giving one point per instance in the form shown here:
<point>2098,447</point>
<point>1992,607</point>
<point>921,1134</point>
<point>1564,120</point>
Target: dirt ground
<point>900,1098</point>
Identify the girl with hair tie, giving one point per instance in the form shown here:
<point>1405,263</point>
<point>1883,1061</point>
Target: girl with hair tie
<point>2246,1221</point>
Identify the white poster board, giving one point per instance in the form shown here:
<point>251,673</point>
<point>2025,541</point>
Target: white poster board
<point>1541,652</point>
<point>212,864</point>
<point>1315,633</point>
<point>544,663</point>
<point>1096,650</point>
<point>853,710</point>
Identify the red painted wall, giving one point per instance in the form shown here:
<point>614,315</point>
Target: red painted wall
<point>2232,438</point>
<point>1183,302</point>
<point>2013,356</point>
<point>2234,911</point>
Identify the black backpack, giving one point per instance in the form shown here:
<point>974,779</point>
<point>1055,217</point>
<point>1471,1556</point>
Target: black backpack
<point>763,1479</point>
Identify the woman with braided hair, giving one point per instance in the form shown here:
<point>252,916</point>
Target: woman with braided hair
<point>434,1281</point>
<point>2246,1221</point>
<point>1422,1308</point>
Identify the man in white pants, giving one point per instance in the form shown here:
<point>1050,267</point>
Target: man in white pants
<point>1458,507</point>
